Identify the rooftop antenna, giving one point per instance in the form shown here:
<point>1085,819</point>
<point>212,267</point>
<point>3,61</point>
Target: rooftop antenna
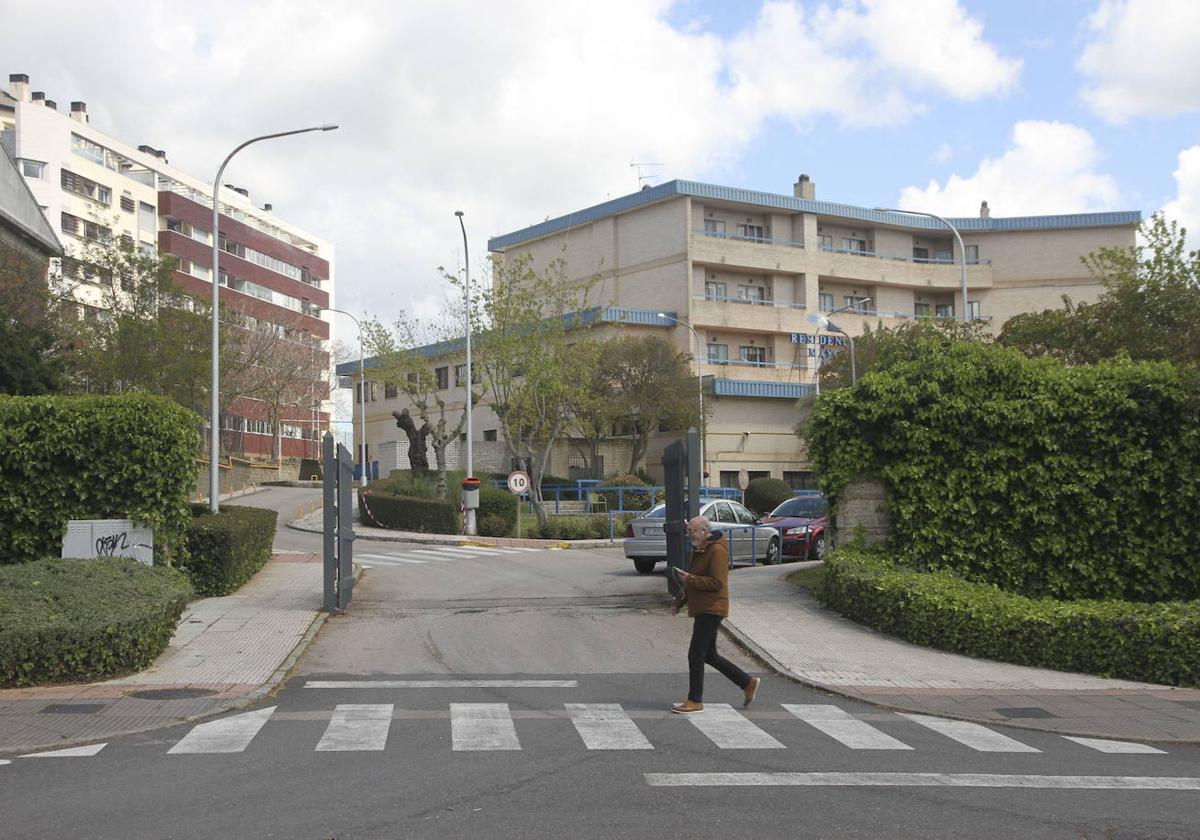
<point>641,176</point>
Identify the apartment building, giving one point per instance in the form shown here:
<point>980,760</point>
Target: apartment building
<point>94,187</point>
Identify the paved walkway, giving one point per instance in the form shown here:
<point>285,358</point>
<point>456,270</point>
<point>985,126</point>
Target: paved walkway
<point>796,636</point>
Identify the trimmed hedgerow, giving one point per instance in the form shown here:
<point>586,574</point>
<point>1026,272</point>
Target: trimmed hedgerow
<point>1157,643</point>
<point>130,456</point>
<point>81,620</point>
<point>226,549</point>
<point>763,495</point>
<point>408,513</point>
<point>1072,482</point>
<point>497,514</point>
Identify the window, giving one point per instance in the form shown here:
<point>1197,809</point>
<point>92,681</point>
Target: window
<point>825,241</point>
<point>721,512</point>
<point>743,516</point>
<point>856,303</point>
<point>70,224</point>
<point>413,378</point>
<point>460,374</point>
<point>127,204</point>
<point>756,232</point>
<point>147,218</point>
<point>714,227</point>
<point>855,246</point>
<point>88,230</point>
<point>922,310</point>
<point>800,479</point>
<point>489,435</point>
<point>85,187</point>
<point>973,310</point>
<point>373,391</point>
<point>944,256</point>
<point>73,269</point>
<point>920,254</point>
<point>390,391</point>
<point>718,354</point>
<point>752,294</point>
<point>825,301</point>
<point>972,252</point>
<point>755,356</point>
<point>715,291</point>
<point>944,310</point>
<point>443,378</point>
<point>33,168</point>
<point>358,392</point>
<point>729,478</point>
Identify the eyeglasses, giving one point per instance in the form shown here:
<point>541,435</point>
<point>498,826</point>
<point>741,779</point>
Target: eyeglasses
<point>697,530</point>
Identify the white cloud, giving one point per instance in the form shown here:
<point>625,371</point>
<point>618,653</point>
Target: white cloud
<point>1049,168</point>
<point>942,153</point>
<point>508,111</point>
<point>1141,59</point>
<point>1185,208</point>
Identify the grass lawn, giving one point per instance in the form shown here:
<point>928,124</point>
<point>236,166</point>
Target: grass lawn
<point>809,579</point>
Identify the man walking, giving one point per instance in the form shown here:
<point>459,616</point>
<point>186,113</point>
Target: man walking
<point>706,593</point>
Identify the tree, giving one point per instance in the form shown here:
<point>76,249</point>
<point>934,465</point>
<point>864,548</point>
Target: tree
<point>882,346</point>
<point>1150,307</point>
<point>31,339</point>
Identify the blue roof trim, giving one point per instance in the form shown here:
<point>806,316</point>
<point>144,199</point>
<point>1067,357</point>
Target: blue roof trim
<point>789,203</point>
<point>750,388</point>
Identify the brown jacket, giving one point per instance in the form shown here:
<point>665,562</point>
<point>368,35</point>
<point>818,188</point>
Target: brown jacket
<point>707,591</point>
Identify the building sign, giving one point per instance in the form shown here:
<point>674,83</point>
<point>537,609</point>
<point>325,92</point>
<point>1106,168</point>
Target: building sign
<point>91,538</point>
<point>820,345</point>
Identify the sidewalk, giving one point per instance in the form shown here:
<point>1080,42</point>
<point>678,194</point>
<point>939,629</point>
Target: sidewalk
<point>785,627</point>
<point>227,652</point>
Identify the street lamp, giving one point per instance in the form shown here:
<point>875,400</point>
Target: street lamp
<point>700,380</point>
<point>962,251</point>
<point>824,323</point>
<point>470,516</point>
<point>214,488</point>
<point>362,391</point>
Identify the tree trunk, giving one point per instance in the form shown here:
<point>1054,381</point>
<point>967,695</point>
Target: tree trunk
<point>439,456</point>
<point>641,442</point>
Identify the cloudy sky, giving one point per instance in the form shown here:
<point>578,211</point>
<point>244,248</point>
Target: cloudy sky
<point>516,110</point>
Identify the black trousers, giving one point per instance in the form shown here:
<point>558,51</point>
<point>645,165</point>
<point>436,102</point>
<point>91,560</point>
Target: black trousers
<point>703,650</point>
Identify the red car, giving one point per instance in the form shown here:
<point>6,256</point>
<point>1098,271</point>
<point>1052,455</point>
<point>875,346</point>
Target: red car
<point>802,522</point>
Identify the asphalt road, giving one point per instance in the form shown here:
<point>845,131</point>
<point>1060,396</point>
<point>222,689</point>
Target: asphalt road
<point>525,694</point>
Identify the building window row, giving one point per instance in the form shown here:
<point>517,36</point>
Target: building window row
<point>84,229</point>
<point>86,187</point>
<point>84,272</point>
<point>32,168</point>
<point>267,261</point>
<point>189,230</point>
<point>248,287</point>
<point>93,151</point>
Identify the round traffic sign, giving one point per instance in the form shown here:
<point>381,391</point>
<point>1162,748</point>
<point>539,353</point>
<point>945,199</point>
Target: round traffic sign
<point>743,479</point>
<point>518,482</point>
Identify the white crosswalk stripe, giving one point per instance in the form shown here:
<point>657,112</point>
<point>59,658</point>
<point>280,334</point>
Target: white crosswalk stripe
<point>1106,746</point>
<point>606,726</point>
<point>941,780</point>
<point>227,735</point>
<point>482,726</point>
<point>837,723</point>
<point>441,555</point>
<point>70,752</point>
<point>729,730</point>
<point>355,727</point>
<point>972,735</point>
<point>390,559</point>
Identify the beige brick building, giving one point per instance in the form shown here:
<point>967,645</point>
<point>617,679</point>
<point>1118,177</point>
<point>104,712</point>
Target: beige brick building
<point>745,269</point>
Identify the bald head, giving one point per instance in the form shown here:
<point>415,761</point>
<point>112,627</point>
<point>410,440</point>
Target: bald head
<point>698,530</point>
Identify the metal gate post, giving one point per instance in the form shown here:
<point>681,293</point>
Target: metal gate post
<point>329,500</point>
<point>345,534</point>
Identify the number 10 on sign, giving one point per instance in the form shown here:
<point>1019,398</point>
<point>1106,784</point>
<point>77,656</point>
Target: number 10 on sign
<point>518,483</point>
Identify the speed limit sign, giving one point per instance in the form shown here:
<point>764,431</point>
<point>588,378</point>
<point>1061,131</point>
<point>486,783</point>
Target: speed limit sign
<point>518,482</point>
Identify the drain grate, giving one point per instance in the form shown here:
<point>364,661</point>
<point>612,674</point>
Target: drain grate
<point>172,693</point>
<point>72,708</point>
<point>1026,712</point>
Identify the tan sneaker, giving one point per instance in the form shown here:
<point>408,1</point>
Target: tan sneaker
<point>750,691</point>
<point>687,707</point>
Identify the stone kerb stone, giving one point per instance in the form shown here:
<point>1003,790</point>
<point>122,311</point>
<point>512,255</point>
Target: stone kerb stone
<point>862,508</point>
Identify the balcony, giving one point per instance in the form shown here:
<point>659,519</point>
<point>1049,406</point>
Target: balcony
<point>756,371</point>
<point>746,314</point>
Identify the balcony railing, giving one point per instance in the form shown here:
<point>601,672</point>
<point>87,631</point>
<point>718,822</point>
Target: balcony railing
<point>751,301</point>
<point>879,255</point>
<point>762,240</point>
<point>744,363</point>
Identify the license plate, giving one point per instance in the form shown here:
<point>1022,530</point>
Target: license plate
<point>653,531</point>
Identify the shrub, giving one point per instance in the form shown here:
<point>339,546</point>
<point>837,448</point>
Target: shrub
<point>497,514</point>
<point>407,513</point>
<point>93,457</point>
<point>1073,482</point>
<point>1157,643</point>
<point>575,528</point>
<point>763,495</point>
<point>226,549</point>
<point>80,620</point>
<point>630,499</point>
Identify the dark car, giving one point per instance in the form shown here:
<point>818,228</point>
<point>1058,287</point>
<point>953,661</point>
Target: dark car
<point>801,522</point>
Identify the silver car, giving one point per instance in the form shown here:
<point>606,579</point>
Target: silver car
<point>749,542</point>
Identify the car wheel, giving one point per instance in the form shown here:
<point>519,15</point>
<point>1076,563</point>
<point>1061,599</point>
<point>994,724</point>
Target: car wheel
<point>818,552</point>
<point>644,565</point>
<point>772,552</point>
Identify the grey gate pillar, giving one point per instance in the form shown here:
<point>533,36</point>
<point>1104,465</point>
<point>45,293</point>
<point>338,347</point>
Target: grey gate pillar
<point>339,524</point>
<point>682,466</point>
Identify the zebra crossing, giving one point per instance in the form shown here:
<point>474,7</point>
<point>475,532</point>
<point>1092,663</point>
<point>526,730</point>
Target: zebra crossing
<point>488,727</point>
<point>433,554</point>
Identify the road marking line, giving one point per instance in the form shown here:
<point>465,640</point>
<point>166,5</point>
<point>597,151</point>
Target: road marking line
<point>725,727</point>
<point>482,726</point>
<point>838,724</point>
<point>442,684</point>
<point>71,752</point>
<point>386,560</point>
<point>228,735</point>
<point>972,735</point>
<point>485,549</point>
<point>441,556</point>
<point>453,552</point>
<point>924,780</point>
<point>1106,746</point>
<point>605,726</point>
<point>5,761</point>
<point>357,727</point>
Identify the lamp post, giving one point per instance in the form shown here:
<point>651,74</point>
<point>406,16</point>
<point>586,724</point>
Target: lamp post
<point>362,392</point>
<point>469,524</point>
<point>962,251</point>
<point>823,322</point>
<point>700,380</point>
<point>214,484</point>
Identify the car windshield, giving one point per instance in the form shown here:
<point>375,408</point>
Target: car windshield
<point>811,507</point>
<point>656,512</point>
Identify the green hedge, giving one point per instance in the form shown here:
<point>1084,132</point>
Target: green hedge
<point>81,620</point>
<point>581,527</point>
<point>497,514</point>
<point>93,457</point>
<point>408,513</point>
<point>1157,643</point>
<point>1073,482</point>
<point>763,495</point>
<point>226,549</point>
